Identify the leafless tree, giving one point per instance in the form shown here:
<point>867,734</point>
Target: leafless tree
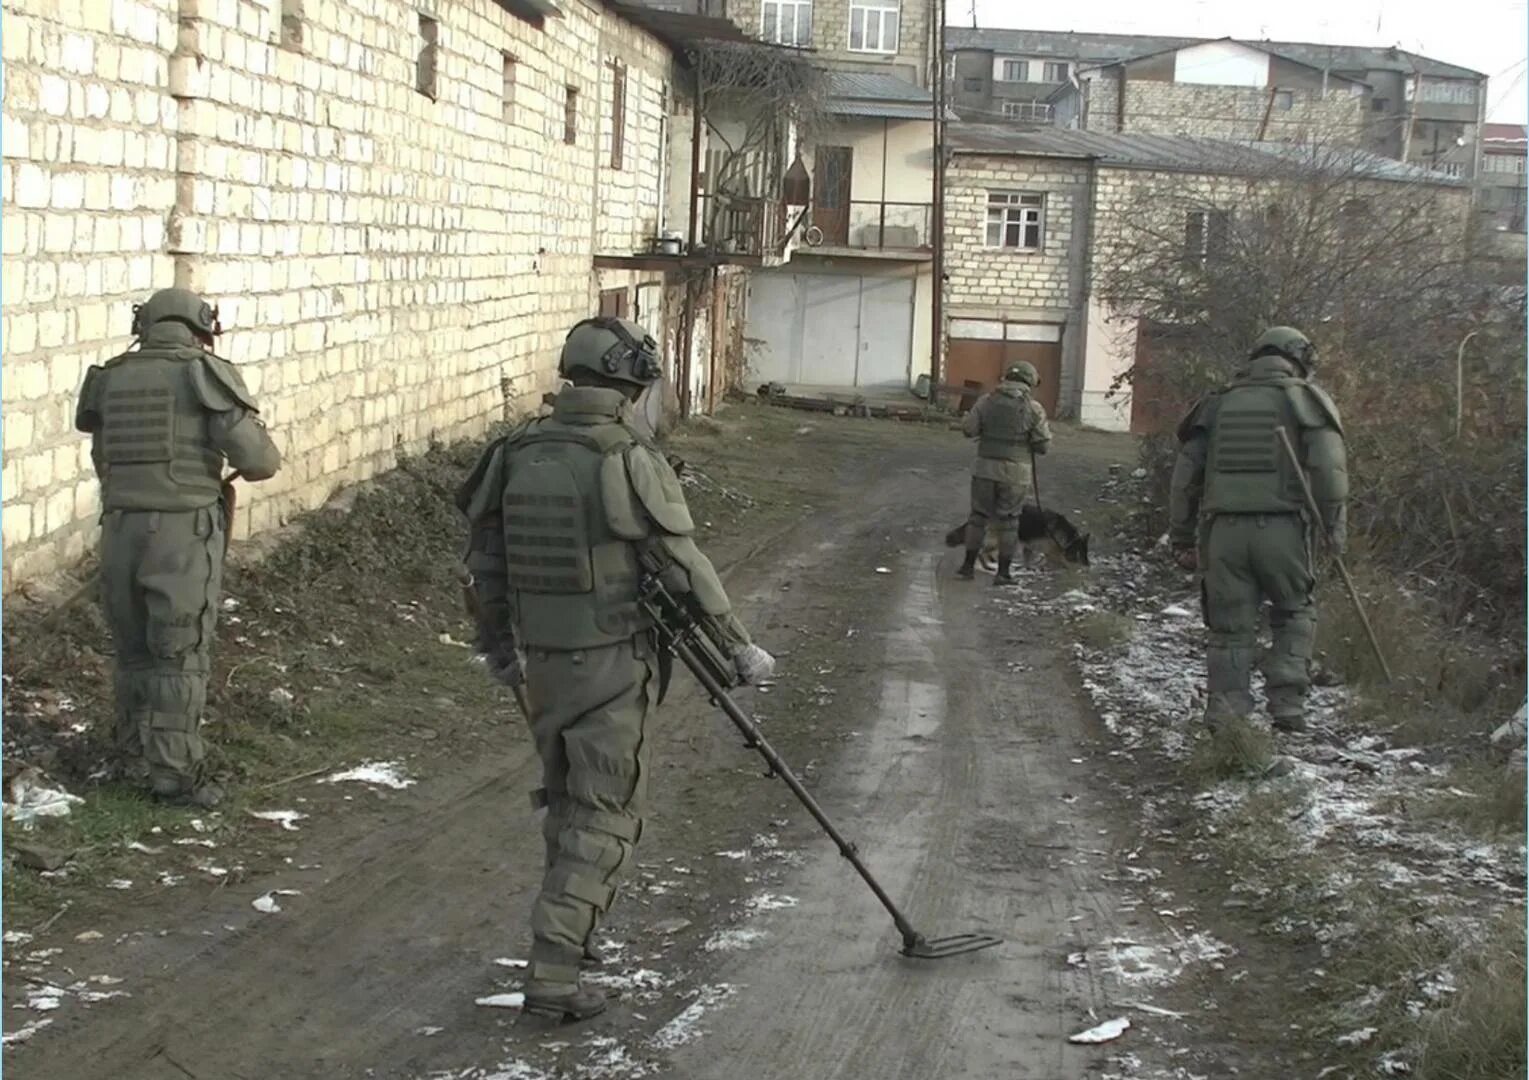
<point>1379,273</point>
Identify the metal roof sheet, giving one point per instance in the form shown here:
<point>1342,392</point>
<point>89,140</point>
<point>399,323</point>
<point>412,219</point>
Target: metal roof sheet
<point>1179,153</point>
<point>875,86</point>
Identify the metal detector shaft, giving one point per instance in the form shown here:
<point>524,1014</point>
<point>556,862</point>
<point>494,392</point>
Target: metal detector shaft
<point>752,736</point>
<point>1348,582</point>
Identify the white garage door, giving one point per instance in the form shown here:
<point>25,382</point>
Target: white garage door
<point>831,329</point>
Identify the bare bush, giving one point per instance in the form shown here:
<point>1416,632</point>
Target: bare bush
<point>1379,274</point>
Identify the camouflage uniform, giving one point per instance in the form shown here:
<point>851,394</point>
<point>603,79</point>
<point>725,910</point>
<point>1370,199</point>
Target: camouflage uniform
<point>163,420</point>
<point>557,511</point>
<point>1008,424</point>
<point>1236,496</point>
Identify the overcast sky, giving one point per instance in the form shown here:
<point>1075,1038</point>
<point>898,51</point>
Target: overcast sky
<point>1486,35</point>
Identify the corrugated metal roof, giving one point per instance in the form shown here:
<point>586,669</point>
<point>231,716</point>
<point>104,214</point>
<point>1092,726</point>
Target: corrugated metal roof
<point>1179,153</point>
<point>677,29</point>
<point>875,86</point>
<point>1107,48</point>
<point>889,110</point>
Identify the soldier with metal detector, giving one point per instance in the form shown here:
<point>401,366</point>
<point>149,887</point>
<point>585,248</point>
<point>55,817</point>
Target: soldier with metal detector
<point>560,512</point>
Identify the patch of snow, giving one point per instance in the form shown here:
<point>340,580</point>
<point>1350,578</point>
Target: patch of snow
<point>728,940</point>
<point>685,1028</point>
<point>120,884</point>
<point>516,1000</point>
<point>1358,1037</point>
<point>743,854</point>
<point>287,819</point>
<point>761,902</point>
<point>16,937</point>
<point>507,962</point>
<point>267,904</point>
<point>387,774</point>
<point>22,1034</point>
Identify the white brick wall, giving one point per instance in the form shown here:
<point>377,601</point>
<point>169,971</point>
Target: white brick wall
<point>381,259</point>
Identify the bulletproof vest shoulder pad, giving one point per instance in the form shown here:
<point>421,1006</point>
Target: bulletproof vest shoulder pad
<point>659,489</point>
<point>480,490</point>
<point>87,412</point>
<point>1199,417</point>
<point>1313,408</point>
<point>218,384</point>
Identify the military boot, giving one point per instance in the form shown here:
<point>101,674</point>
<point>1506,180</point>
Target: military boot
<point>968,565</point>
<point>178,790</point>
<point>568,1003</point>
<point>1004,576</point>
<point>592,957</point>
<point>1287,709</point>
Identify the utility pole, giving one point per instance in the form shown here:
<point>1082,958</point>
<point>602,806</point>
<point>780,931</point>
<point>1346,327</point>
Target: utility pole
<point>937,213</point>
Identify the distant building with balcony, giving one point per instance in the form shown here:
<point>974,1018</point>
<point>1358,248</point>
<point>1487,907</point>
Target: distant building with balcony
<point>1414,108</point>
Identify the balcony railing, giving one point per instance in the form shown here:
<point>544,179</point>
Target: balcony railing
<point>741,225</point>
<point>874,226</point>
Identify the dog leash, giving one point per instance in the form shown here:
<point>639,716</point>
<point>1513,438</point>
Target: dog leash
<point>1035,482</point>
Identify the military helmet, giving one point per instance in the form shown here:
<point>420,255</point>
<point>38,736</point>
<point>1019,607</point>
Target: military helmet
<point>615,348</point>
<point>1022,372</point>
<point>1289,343</point>
<point>180,305</point>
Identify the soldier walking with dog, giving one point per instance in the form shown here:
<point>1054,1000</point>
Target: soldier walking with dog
<point>1238,512</point>
<point>1010,426</point>
<point>558,513</point>
<point>163,420</point>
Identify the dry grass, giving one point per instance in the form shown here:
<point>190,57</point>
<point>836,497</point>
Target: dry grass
<point>1236,749</point>
<point>1482,1034</point>
<point>1101,630</point>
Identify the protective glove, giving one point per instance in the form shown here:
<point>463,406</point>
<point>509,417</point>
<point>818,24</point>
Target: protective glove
<point>753,664</point>
<point>1187,557</point>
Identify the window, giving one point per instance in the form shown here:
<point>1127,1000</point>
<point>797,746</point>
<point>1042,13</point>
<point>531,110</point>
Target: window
<point>787,22</point>
<point>571,115</point>
<point>1449,168</point>
<point>972,84</point>
<point>1379,104</point>
<point>1353,215</point>
<point>425,65</point>
<point>873,26</point>
<point>1015,220</point>
<point>1035,112</point>
<point>613,303</point>
<point>618,112</point>
<point>508,91</point>
<point>1502,163</point>
<point>1016,71</point>
<point>1284,100</point>
<point>291,24</point>
<point>1204,235</point>
<point>1447,91</point>
<point>1055,72</point>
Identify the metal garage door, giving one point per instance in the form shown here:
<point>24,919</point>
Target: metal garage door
<point>831,329</point>
<point>980,350</point>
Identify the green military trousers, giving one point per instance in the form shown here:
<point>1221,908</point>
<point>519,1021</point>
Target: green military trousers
<point>161,574</point>
<point>994,503</point>
<point>590,712</point>
<point>1249,558</point>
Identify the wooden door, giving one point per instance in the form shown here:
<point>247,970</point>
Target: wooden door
<point>830,192</point>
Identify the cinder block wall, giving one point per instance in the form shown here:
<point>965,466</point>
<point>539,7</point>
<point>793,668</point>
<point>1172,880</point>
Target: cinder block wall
<point>383,257</point>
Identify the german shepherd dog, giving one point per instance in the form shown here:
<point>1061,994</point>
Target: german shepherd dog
<point>1057,538</point>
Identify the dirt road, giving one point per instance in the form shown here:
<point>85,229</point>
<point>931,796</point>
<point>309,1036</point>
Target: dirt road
<point>940,730</point>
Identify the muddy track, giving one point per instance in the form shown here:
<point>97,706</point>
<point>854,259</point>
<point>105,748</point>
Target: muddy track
<point>944,737</point>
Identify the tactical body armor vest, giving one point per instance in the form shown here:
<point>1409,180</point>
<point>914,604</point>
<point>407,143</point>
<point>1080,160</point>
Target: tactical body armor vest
<point>1005,427</point>
<point>1247,470</point>
<point>147,411</point>
<point>573,579</point>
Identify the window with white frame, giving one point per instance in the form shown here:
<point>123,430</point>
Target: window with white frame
<point>787,22</point>
<point>1502,163</point>
<point>1055,72</point>
<point>1016,220</point>
<point>873,26</point>
<point>1016,71</point>
<point>1035,112</point>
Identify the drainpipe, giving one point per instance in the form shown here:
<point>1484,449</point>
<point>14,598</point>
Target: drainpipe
<point>937,224</point>
<point>881,233</point>
<point>1120,101</point>
<point>695,162</point>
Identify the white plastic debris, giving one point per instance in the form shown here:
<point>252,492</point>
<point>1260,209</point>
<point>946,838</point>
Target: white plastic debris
<point>516,1000</point>
<point>388,774</point>
<point>144,849</point>
<point>428,1031</point>
<point>120,884</point>
<point>447,639</point>
<point>267,904</point>
<point>31,798</point>
<point>508,962</point>
<point>287,819</point>
<point>1358,1037</point>
<point>1108,1031</point>
<point>883,570</point>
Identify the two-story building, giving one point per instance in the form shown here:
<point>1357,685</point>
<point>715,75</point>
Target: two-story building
<point>1416,109</point>
<point>1032,217</point>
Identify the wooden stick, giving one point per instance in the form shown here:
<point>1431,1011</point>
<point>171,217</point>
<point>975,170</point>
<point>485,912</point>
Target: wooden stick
<point>1348,582</point>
